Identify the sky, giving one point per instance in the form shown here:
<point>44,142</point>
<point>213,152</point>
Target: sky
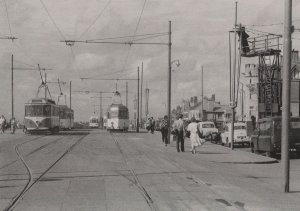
<point>199,38</point>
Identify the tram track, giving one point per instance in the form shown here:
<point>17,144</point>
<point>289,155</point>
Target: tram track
<point>31,181</point>
<point>33,151</point>
<point>195,179</point>
<point>135,180</point>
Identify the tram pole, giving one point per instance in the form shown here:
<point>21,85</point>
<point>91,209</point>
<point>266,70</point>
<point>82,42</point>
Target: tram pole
<point>70,94</point>
<point>126,94</point>
<point>12,86</point>
<point>286,91</point>
<point>142,75</point>
<point>101,113</point>
<point>138,102</point>
<point>233,103</point>
<point>169,84</point>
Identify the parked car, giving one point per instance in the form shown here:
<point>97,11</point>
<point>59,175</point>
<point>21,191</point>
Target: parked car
<point>240,134</point>
<point>267,136</point>
<point>208,130</point>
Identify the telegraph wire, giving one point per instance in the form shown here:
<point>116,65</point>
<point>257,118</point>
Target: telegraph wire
<point>98,16</point>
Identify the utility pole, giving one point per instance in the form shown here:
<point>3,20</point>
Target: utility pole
<point>126,94</point>
<point>202,114</point>
<point>242,102</point>
<point>141,121</point>
<point>45,83</point>
<point>286,91</point>
<point>70,94</point>
<point>12,86</point>
<point>233,80</point>
<point>147,102</point>
<point>169,83</point>
<point>138,102</point>
<point>101,112</point>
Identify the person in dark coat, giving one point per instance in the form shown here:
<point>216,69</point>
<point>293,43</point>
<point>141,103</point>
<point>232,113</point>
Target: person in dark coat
<point>164,130</point>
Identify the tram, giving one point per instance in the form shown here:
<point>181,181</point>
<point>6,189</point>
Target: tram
<point>66,117</point>
<point>41,115</point>
<point>94,122</point>
<point>117,115</point>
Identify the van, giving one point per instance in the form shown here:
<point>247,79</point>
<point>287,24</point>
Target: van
<point>267,136</point>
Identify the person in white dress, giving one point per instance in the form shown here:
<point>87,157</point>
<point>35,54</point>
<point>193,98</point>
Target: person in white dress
<point>194,137</point>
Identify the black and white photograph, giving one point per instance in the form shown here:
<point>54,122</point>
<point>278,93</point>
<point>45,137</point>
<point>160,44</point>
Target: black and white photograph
<point>137,105</point>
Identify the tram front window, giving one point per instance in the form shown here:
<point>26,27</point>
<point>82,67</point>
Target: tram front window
<point>38,110</point>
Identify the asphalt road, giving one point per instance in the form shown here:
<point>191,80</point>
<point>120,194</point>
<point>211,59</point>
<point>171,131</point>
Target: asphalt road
<point>96,170</point>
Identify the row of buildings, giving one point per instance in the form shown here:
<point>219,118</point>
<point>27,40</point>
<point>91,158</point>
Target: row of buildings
<point>249,105</point>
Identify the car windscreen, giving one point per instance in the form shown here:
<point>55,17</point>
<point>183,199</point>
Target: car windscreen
<point>239,127</point>
<point>37,110</point>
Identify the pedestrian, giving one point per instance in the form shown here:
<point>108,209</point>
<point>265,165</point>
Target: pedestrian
<point>164,128</point>
<point>148,125</point>
<point>178,127</point>
<point>152,125</point>
<point>194,137</point>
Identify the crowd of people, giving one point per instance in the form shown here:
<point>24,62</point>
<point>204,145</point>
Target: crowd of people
<point>180,130</point>
<point>4,125</point>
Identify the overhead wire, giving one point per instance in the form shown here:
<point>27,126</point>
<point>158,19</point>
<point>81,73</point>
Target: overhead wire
<point>97,17</point>
<point>7,17</point>
<point>271,24</point>
<point>9,25</point>
<point>128,36</point>
<point>134,34</point>
<point>51,18</point>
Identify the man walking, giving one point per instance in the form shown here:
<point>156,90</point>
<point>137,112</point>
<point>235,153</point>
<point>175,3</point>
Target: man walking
<point>164,130</point>
<point>178,128</point>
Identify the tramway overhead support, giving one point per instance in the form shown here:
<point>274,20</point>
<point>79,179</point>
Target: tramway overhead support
<point>133,42</point>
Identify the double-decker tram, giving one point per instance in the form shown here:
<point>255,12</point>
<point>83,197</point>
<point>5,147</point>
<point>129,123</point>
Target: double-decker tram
<point>66,117</point>
<point>94,122</point>
<point>117,115</point>
<point>41,116</point>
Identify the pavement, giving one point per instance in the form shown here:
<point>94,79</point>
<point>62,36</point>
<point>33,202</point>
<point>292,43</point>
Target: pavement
<point>217,153</point>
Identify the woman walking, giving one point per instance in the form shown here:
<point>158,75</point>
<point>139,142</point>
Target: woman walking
<point>194,137</point>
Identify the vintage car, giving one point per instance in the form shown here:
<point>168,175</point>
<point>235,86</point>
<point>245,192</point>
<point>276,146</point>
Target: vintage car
<point>267,136</point>
<point>240,134</point>
<point>208,130</point>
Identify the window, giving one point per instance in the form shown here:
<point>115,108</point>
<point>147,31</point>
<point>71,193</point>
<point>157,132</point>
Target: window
<point>239,127</point>
<point>37,110</point>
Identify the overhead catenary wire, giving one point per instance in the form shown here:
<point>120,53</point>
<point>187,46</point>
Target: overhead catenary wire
<point>51,18</point>
<point>270,24</point>
<point>134,34</point>
<point>129,36</point>
<point>7,15</point>
<point>97,17</point>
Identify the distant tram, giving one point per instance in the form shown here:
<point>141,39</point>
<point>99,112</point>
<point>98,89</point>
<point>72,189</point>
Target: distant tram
<point>66,117</point>
<point>94,122</point>
<point>41,115</point>
<point>117,115</point>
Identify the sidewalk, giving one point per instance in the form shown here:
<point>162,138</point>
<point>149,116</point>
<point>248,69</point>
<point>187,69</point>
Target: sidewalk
<point>223,154</point>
